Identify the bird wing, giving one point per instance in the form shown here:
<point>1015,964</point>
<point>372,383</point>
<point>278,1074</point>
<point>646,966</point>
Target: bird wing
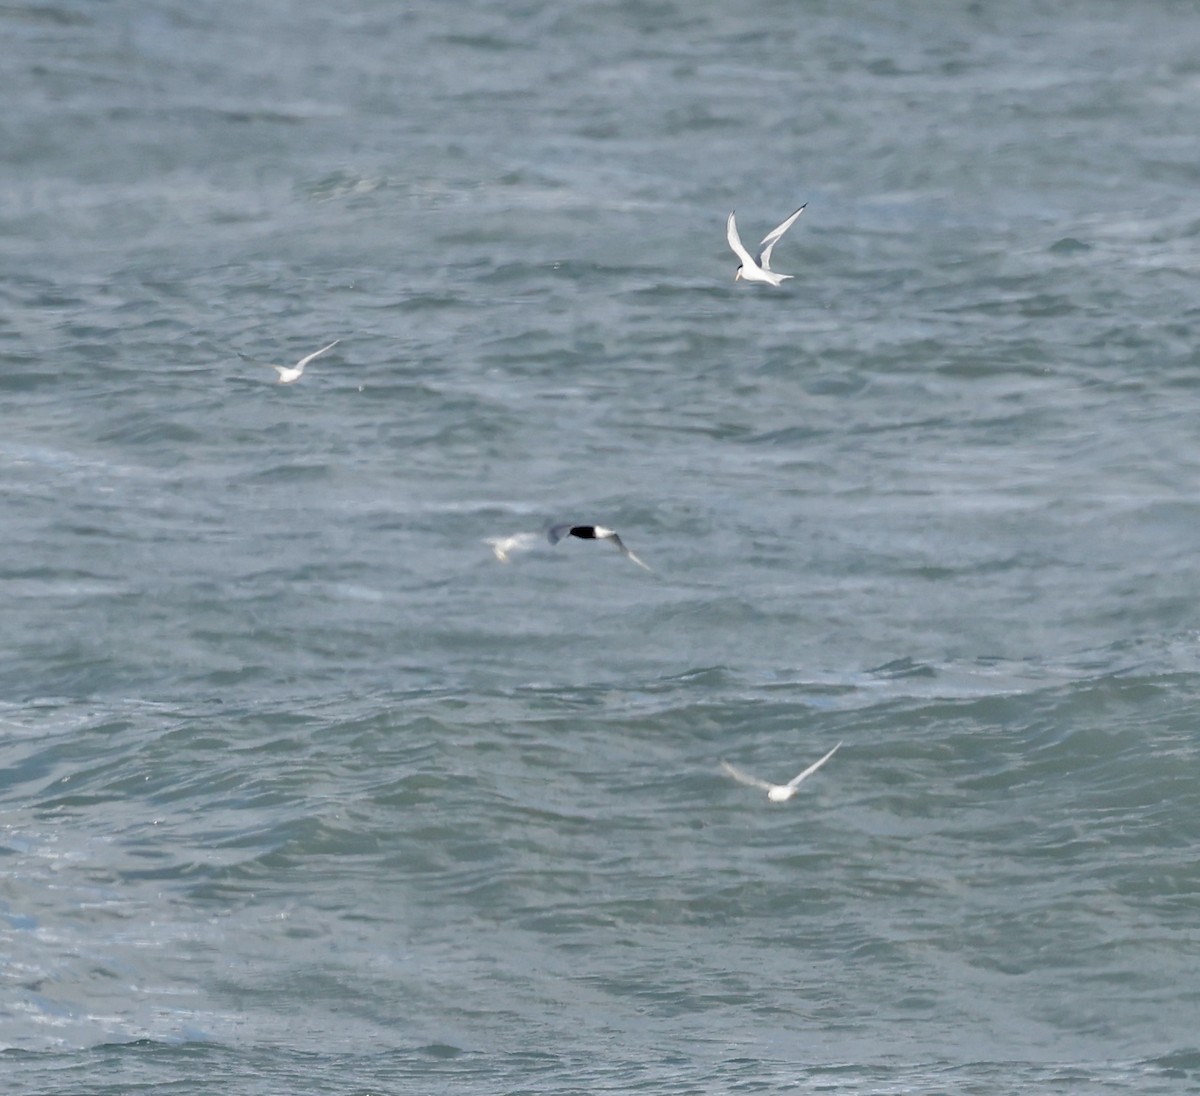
<point>735,242</point>
<point>813,767</point>
<point>635,559</point>
<point>557,532</point>
<point>316,354</point>
<point>772,238</point>
<point>620,546</point>
<point>744,778</point>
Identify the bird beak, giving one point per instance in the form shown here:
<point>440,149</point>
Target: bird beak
<point>738,274</point>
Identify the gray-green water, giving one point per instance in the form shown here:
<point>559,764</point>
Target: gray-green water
<point>303,792</point>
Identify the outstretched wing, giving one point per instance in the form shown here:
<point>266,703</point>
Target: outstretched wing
<point>620,545</point>
<point>772,238</point>
<point>744,778</point>
<point>556,532</point>
<point>735,242</point>
<point>316,354</point>
<point>813,767</point>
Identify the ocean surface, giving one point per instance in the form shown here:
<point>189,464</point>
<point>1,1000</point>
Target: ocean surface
<point>302,790</point>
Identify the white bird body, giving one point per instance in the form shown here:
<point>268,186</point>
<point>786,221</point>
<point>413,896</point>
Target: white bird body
<point>757,268</point>
<point>777,793</point>
<point>289,373</point>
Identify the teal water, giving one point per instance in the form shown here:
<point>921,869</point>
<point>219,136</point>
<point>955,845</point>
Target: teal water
<point>303,791</point>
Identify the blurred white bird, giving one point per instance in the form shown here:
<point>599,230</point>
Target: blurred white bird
<point>287,373</point>
<point>758,268</point>
<point>777,793</point>
<point>516,542</point>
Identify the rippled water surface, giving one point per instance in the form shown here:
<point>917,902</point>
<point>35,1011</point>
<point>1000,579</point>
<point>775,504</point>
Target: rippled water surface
<point>303,791</point>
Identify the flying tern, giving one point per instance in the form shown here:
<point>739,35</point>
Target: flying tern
<point>777,793</point>
<point>758,268</point>
<point>287,374</point>
<point>503,547</point>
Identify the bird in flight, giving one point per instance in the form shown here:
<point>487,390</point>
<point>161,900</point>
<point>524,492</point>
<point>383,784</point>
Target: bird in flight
<point>592,532</point>
<point>503,547</point>
<point>757,268</point>
<point>777,793</point>
<point>289,373</point>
